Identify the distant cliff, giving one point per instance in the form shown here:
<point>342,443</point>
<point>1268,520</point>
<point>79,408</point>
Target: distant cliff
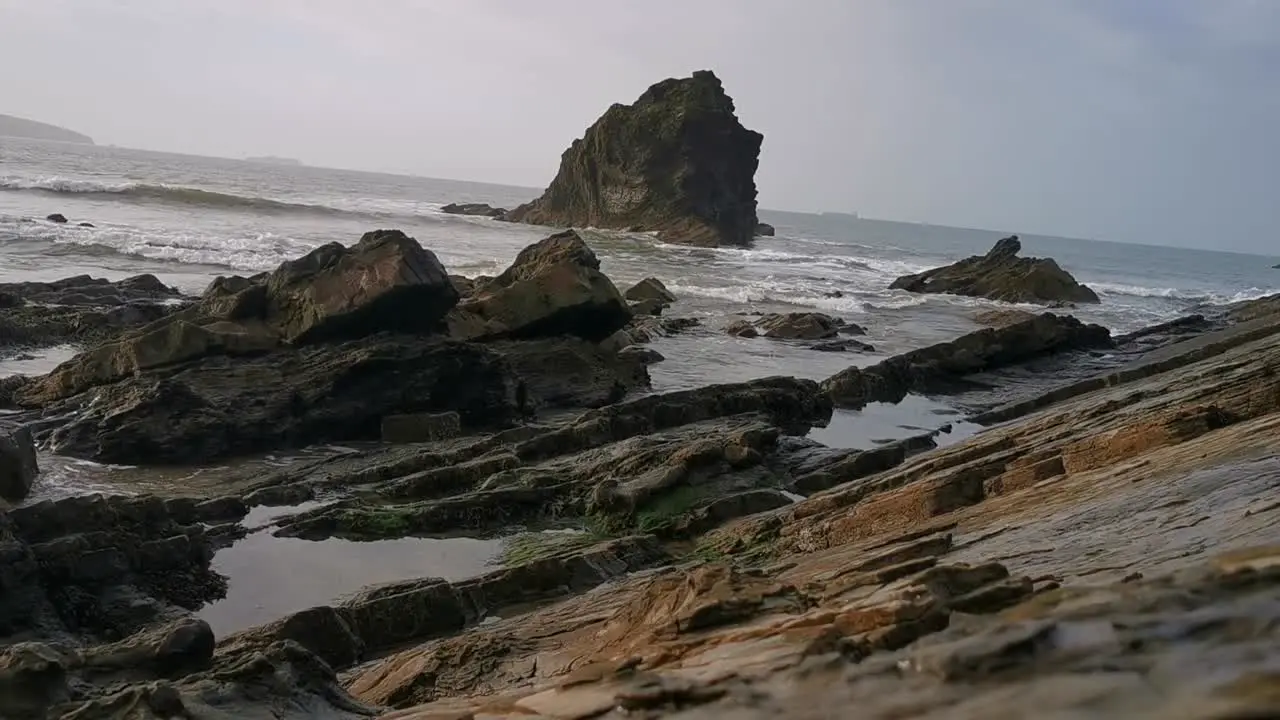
<point>11,126</point>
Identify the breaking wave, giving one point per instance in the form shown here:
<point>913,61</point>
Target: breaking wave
<point>198,197</point>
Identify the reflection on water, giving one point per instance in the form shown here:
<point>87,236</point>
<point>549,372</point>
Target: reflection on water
<point>271,577</point>
<point>878,423</point>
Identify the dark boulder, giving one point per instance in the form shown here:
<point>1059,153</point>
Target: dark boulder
<point>553,288</point>
<point>764,229</point>
<point>477,209</point>
<point>938,367</point>
<point>1002,275</point>
<point>793,326</point>
<point>676,161</point>
<point>18,468</point>
<point>85,225</point>
<point>56,218</point>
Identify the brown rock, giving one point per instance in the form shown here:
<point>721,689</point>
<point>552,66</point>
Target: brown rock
<point>1002,275</point>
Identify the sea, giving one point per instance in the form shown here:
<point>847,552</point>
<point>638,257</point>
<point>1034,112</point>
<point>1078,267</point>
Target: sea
<point>189,219</point>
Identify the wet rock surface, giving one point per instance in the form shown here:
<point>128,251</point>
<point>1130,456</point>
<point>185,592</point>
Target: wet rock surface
<point>1107,546</point>
<point>950,366</point>
<point>676,161</point>
<point>1002,275</point>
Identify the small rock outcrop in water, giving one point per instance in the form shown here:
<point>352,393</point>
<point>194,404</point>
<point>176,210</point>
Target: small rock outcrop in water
<point>477,209</point>
<point>676,161</point>
<point>1002,275</point>
<point>57,218</point>
<point>933,367</point>
<point>794,326</point>
<point>764,229</point>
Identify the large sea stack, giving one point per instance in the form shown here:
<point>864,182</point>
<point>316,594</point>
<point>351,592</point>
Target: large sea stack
<point>1002,275</point>
<point>676,161</point>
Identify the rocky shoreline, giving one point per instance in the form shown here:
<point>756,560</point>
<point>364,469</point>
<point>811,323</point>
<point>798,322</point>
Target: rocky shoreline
<point>1107,544</point>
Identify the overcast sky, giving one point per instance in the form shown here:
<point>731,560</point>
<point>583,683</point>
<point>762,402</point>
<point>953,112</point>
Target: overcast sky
<point>1151,121</point>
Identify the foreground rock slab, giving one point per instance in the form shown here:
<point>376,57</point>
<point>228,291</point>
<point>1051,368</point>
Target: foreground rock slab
<point>1087,560</point>
<point>676,161</point>
<point>1002,275</point>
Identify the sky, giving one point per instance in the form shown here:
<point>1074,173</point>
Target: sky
<point>1151,121</point>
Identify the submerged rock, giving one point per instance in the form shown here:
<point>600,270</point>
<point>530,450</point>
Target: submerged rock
<point>1002,275</point>
<point>478,209</point>
<point>677,161</point>
<point>56,218</point>
<point>935,366</point>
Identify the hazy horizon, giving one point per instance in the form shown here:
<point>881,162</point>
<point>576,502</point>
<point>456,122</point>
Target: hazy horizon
<point>1120,120</point>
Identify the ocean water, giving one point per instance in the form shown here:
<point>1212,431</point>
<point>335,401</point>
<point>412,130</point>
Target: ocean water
<point>188,219</point>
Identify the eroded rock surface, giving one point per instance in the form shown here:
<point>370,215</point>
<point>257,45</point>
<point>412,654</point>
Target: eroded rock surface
<point>676,161</point>
<point>1087,559</point>
<point>1002,275</point>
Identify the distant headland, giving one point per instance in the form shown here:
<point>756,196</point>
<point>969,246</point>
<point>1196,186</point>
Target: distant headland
<point>273,160</point>
<point>11,126</point>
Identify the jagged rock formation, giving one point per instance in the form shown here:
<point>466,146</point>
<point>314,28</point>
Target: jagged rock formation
<point>764,229</point>
<point>326,346</point>
<point>677,161</point>
<point>1002,275</point>
<point>11,126</point>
